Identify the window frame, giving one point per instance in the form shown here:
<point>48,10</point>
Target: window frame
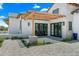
<point>70,25</point>
<point>55,11</point>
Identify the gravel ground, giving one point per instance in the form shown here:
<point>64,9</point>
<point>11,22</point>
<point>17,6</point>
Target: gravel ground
<point>13,48</point>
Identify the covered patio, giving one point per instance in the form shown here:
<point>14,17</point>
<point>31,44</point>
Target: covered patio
<point>33,15</point>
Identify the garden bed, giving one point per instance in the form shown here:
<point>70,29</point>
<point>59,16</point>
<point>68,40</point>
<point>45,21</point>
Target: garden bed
<point>36,42</point>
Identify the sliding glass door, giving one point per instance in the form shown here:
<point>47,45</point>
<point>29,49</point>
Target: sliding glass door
<point>56,29</point>
<point>41,29</point>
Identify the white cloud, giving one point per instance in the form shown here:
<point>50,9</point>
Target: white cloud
<point>1,5</point>
<point>36,6</point>
<point>2,17</point>
<point>44,10</point>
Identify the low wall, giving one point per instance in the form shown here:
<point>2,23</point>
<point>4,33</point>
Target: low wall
<point>12,35</point>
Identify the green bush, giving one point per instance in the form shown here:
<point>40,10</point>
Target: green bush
<point>40,42</point>
<point>34,43</point>
<point>48,42</point>
<point>67,39</point>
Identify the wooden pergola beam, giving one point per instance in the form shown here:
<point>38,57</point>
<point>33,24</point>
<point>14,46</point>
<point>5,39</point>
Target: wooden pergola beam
<point>74,4</point>
<point>39,15</point>
<point>44,16</point>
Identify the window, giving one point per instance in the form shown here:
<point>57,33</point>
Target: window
<point>28,23</point>
<point>56,11</point>
<point>70,25</point>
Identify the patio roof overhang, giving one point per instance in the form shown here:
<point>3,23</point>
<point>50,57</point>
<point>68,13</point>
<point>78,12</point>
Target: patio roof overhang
<point>75,11</point>
<point>32,15</point>
<point>43,16</point>
<point>74,4</point>
<point>40,16</point>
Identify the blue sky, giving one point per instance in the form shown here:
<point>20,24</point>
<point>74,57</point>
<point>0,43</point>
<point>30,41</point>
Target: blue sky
<point>5,8</point>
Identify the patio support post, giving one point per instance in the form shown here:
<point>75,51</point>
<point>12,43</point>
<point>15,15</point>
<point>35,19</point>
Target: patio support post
<point>33,27</point>
<point>48,28</point>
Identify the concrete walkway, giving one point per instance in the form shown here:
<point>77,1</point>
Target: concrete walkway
<point>12,48</point>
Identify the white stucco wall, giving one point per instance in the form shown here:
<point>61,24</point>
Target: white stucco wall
<point>14,24</point>
<point>76,23</point>
<point>61,6</point>
<point>26,30</point>
<point>40,21</point>
<point>69,17</point>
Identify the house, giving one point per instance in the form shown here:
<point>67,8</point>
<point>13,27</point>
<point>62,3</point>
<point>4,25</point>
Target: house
<point>31,23</point>
<point>58,21</point>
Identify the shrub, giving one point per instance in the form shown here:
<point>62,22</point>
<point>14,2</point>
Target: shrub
<point>67,39</point>
<point>33,43</point>
<point>48,42</point>
<point>14,37</point>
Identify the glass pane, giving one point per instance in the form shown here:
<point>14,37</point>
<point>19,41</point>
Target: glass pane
<point>52,29</point>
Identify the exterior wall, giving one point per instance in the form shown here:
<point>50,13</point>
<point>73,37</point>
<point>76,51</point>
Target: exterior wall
<point>26,28</point>
<point>69,16</point>
<point>64,8</point>
<point>40,21</point>
<point>76,23</point>
<point>61,6</point>
<point>14,24</point>
<point>19,26</point>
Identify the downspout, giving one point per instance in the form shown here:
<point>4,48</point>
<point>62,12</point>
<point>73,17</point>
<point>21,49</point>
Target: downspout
<point>21,26</point>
